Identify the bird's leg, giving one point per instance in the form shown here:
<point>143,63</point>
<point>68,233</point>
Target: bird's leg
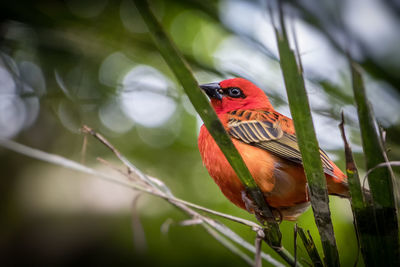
<point>251,207</point>
<point>248,203</point>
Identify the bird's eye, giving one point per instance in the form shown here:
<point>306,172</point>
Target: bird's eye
<point>235,92</point>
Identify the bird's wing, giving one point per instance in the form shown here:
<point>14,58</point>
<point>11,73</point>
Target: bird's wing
<point>265,129</point>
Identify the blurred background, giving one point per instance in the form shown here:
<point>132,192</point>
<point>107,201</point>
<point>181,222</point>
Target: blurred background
<point>73,62</point>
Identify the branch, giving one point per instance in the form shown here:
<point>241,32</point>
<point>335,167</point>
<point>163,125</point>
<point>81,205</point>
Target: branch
<point>380,165</point>
<point>158,183</point>
<point>182,205</point>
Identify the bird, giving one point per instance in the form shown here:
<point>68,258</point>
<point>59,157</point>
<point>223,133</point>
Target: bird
<point>267,142</point>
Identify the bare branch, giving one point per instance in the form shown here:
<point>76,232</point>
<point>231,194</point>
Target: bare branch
<point>183,205</point>
<point>190,222</point>
<point>86,129</point>
<point>257,260</point>
<point>383,164</point>
<point>380,165</point>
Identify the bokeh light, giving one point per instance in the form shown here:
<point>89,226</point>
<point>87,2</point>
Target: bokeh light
<point>144,96</point>
<point>19,101</point>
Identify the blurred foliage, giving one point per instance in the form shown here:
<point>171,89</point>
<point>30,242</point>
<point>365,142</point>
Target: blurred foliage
<point>65,63</point>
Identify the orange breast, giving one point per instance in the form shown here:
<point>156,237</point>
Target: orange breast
<point>283,183</point>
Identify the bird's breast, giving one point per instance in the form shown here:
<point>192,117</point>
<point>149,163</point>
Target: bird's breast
<point>261,164</point>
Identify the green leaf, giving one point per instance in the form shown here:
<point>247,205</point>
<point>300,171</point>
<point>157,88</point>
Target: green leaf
<point>308,144</point>
<point>184,75</point>
<point>364,220</point>
<point>380,180</point>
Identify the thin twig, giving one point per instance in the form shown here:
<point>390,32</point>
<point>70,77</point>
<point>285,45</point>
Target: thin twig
<point>380,165</point>
<point>112,166</point>
<point>67,163</point>
<point>258,244</point>
<point>86,129</point>
<point>190,222</point>
<point>254,226</point>
<point>61,161</point>
<point>225,231</point>
<point>158,184</point>
<point>58,160</point>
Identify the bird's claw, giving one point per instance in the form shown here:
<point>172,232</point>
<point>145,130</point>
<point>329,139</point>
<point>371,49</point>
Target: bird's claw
<point>251,207</point>
<point>248,203</point>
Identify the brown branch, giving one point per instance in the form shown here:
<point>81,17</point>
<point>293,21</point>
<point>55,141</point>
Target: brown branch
<point>86,129</point>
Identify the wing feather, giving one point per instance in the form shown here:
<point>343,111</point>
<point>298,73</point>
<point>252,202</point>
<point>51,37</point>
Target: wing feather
<point>264,131</point>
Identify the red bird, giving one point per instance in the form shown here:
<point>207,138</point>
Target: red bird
<point>268,145</point>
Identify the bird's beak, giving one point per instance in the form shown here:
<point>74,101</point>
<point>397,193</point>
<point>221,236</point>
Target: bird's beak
<point>213,90</point>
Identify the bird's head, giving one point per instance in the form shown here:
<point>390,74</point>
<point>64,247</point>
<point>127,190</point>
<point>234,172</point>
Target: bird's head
<point>234,94</point>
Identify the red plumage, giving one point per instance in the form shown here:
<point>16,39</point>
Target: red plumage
<point>267,143</point>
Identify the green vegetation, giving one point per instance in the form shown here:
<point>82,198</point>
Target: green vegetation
<point>119,69</point>
<point>308,144</point>
<point>384,211</point>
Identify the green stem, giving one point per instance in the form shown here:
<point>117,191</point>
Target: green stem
<point>182,71</point>
<point>300,110</point>
<point>380,180</point>
<point>364,220</point>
